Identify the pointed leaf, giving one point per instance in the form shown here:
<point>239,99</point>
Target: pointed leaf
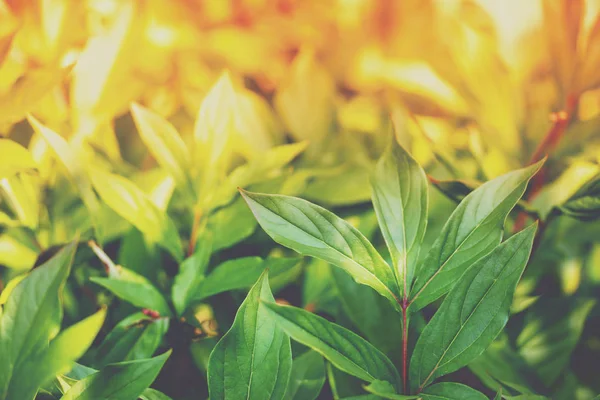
<point>400,198</point>
<point>474,312</point>
<point>164,143</point>
<point>254,358</point>
<point>191,274</point>
<point>472,231</point>
<point>75,166</point>
<point>31,318</point>
<point>126,380</point>
<point>343,348</point>
<point>132,204</point>
<point>14,158</point>
<point>312,230</point>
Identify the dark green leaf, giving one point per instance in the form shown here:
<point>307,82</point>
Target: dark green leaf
<point>400,198</point>
<point>135,289</point>
<point>135,337</point>
<point>366,309</point>
<point>230,225</point>
<point>343,348</point>
<point>254,359</point>
<point>474,312</point>
<point>307,378</point>
<point>386,391</point>
<point>312,230</point>
<point>121,381</point>
<point>241,273</point>
<point>552,330</point>
<point>451,391</point>
<point>151,394</point>
<point>473,230</point>
<point>190,276</point>
<point>500,366</point>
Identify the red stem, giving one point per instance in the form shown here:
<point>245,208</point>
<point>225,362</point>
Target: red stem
<point>404,345</point>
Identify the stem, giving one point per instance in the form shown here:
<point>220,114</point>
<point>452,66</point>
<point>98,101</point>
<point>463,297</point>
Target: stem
<point>404,345</point>
<point>194,234</point>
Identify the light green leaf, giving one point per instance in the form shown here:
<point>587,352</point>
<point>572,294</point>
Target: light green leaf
<point>191,274</point>
<point>386,391</point>
<point>135,289</point>
<point>451,391</point>
<point>472,231</point>
<point>343,348</point>
<point>14,158</point>
<point>585,204</point>
<point>312,230</point>
<point>254,358</point>
<point>164,143</point>
<point>400,198</point>
<point>307,377</point>
<point>551,332</point>
<point>132,204</point>
<point>126,380</point>
<point>572,183</point>
<point>473,314</point>
<point>75,166</point>
<point>22,195</point>
<point>262,167</point>
<point>62,352</point>
<point>135,337</point>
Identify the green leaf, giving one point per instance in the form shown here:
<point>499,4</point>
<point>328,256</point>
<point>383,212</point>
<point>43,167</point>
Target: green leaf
<point>400,198</point>
<point>135,289</point>
<point>312,230</point>
<point>62,352</point>
<point>451,391</point>
<point>22,195</point>
<point>164,143</point>
<point>191,274</point>
<point>500,366</point>
<point>366,309</point>
<point>472,231</point>
<point>230,225</point>
<point>254,358</point>
<point>30,319</point>
<point>552,330</point>
<point>75,166</point>
<point>474,312</point>
<point>343,348</point>
<point>241,273</point>
<point>585,204</point>
<point>14,158</point>
<point>386,391</point>
<point>307,377</point>
<point>126,380</point>
<point>573,183</point>
<point>133,205</point>
<point>135,337</point>
<point>151,394</point>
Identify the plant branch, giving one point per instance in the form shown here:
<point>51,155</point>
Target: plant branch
<point>194,234</point>
<point>404,345</point>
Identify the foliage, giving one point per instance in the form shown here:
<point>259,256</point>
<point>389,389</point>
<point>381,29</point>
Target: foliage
<point>299,200</point>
